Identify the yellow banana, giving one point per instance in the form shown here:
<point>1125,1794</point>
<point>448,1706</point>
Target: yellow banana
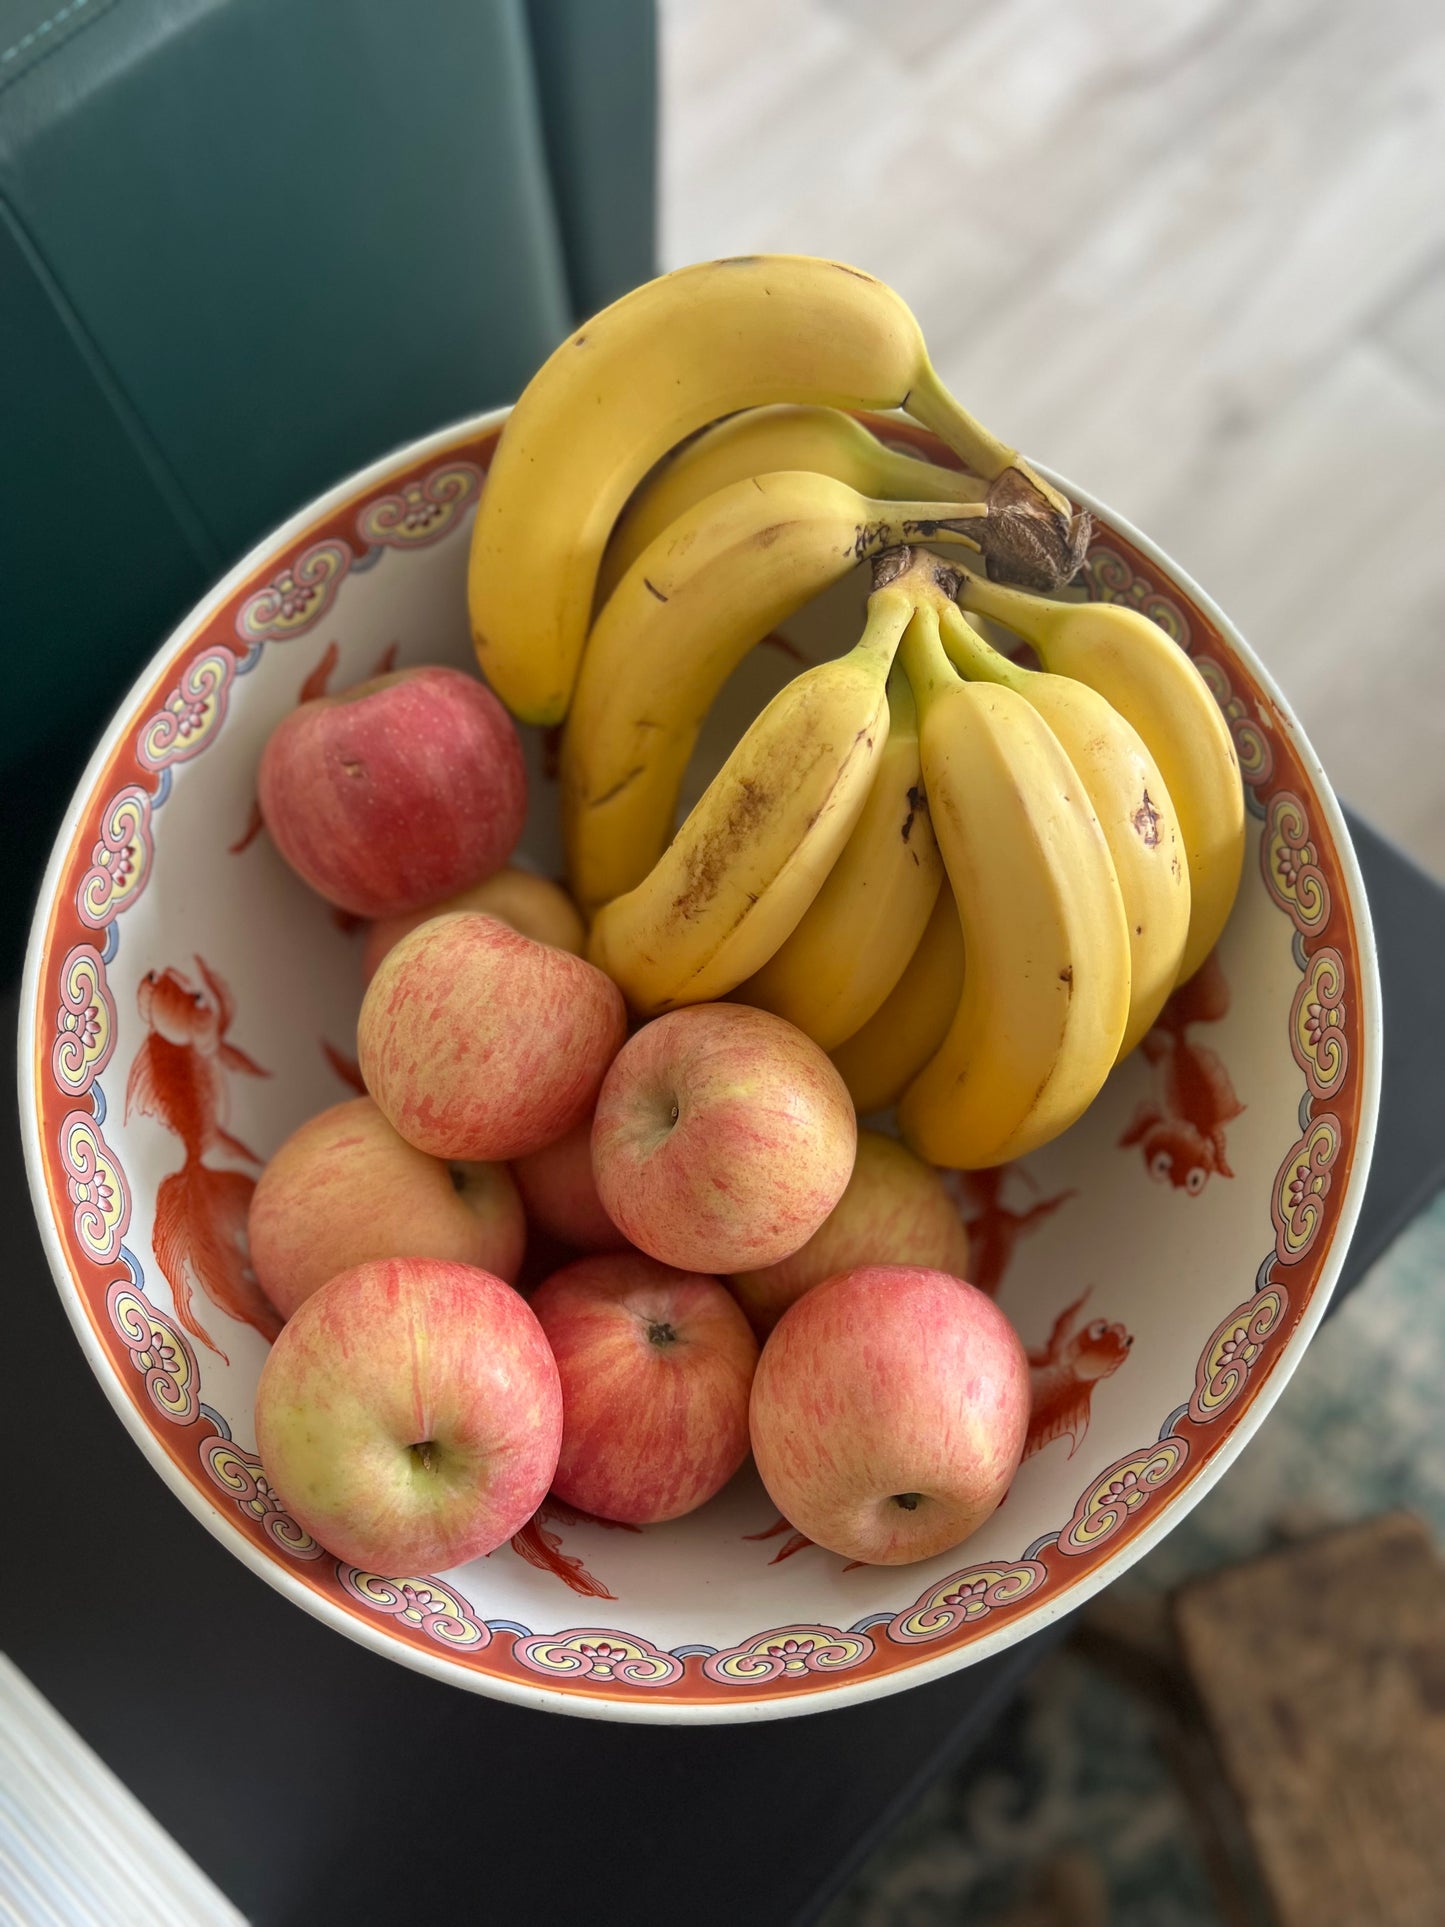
<point>857,935</point>
<point>879,1061</point>
<point>1046,987</point>
<point>697,599</point>
<point>760,441</point>
<point>1131,801</point>
<point>668,358</point>
<point>754,852</point>
<point>1150,681</point>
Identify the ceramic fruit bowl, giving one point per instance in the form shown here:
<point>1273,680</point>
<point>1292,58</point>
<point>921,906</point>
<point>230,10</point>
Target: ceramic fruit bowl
<point>1166,1261</point>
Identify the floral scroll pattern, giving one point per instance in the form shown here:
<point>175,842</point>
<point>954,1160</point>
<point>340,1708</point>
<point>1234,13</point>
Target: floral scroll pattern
<point>1233,1352</point>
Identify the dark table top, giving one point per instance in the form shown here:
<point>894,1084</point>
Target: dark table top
<point>315,1781</point>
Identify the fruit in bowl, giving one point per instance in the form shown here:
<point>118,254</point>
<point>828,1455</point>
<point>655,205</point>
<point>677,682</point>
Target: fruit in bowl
<point>722,1139</point>
<point>396,792</point>
<point>656,1367</point>
<point>345,1189</point>
<point>895,1210</point>
<point>889,1412</point>
<point>410,1414</point>
<point>1256,1081</point>
<point>478,1043</point>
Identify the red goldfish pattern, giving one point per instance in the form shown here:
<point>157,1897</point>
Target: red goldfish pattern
<point>1181,1134</point>
<point>1064,1372</point>
<point>993,1228</point>
<point>795,1542</point>
<point>179,1079</point>
<point>543,1549</point>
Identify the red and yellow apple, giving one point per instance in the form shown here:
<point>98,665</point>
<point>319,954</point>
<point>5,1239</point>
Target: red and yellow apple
<point>537,907</point>
<point>889,1411</point>
<point>409,1415</point>
<point>345,1188</point>
<point>655,1366</point>
<point>723,1138</point>
<point>478,1043</point>
<point>895,1211</point>
<point>396,793</point>
<point>559,1193</point>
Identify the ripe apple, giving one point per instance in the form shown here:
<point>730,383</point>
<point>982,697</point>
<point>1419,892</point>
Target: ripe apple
<point>655,1367</point>
<point>896,1211</point>
<point>889,1412</point>
<point>409,1415</point>
<point>560,1193</point>
<point>478,1043</point>
<point>538,908</point>
<point>723,1138</point>
<point>345,1188</point>
<point>395,793</point>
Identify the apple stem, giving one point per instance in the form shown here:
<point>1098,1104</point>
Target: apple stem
<point>425,1454</point>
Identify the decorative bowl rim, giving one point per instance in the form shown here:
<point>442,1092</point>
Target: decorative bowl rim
<point>841,1691</point>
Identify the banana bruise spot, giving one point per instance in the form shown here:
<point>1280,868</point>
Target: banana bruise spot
<point>710,862</point>
<point>652,589</point>
<point>1146,821</point>
<point>916,801</point>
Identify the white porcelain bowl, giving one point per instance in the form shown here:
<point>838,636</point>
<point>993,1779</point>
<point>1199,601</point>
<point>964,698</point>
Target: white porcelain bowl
<point>1200,1210</point>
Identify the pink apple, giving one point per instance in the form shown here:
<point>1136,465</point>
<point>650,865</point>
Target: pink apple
<point>478,1043</point>
<point>397,792</point>
<point>889,1412</point>
<point>345,1188</point>
<point>560,1193</point>
<point>723,1138</point>
<point>538,908</point>
<point>409,1415</point>
<point>896,1211</point>
<point>655,1367</point>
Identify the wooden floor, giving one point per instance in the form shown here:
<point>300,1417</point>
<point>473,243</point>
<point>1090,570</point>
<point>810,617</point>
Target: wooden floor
<point>1189,252</point>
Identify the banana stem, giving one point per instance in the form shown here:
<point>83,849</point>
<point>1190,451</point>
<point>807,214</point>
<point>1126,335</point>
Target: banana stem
<point>889,610</point>
<point>902,709</point>
<point>1031,616</point>
<point>906,477</point>
<point>971,656</point>
<point>930,674</point>
<point>929,402</point>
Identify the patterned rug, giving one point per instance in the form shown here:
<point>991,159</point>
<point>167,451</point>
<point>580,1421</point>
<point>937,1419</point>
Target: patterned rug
<point>1075,1765</point>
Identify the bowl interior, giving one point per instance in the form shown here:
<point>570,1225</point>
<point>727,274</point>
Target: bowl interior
<point>1165,1261</point>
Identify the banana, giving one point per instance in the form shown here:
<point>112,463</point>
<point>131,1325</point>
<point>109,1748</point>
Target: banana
<point>753,853</point>
<point>1130,799</point>
<point>697,599</point>
<point>1154,686</point>
<point>1046,988</point>
<point>665,360</point>
<point>857,935</point>
<point>879,1061</point>
<point>760,441</point>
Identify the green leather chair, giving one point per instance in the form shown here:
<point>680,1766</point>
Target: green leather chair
<point>245,246</point>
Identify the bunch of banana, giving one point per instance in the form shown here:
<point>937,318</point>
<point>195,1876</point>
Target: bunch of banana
<point>1153,685</point>
<point>1136,813</point>
<point>699,597</point>
<point>856,937</point>
<point>666,360</point>
<point>1046,981</point>
<point>736,880</point>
